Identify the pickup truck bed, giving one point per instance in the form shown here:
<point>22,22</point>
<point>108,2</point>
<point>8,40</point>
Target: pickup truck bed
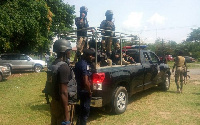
<point>113,84</point>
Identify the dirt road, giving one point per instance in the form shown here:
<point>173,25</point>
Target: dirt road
<point>194,76</point>
<point>194,71</point>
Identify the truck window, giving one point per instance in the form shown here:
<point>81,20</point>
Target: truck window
<point>134,54</point>
<point>146,56</point>
<point>154,58</point>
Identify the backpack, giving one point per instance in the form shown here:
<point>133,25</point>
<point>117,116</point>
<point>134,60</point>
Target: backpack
<point>52,89</point>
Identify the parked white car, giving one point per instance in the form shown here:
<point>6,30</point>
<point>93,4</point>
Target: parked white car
<point>22,62</point>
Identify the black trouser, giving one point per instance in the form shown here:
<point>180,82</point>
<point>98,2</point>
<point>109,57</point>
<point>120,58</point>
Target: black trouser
<point>85,100</point>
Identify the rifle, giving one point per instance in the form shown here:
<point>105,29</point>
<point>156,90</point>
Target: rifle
<point>185,75</point>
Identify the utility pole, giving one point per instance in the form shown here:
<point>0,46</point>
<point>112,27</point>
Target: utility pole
<point>163,52</point>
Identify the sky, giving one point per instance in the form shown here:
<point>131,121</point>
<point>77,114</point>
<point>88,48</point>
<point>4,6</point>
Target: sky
<point>149,19</point>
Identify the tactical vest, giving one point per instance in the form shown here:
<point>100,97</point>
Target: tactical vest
<point>107,25</point>
<point>52,86</point>
<point>81,25</point>
<point>180,61</point>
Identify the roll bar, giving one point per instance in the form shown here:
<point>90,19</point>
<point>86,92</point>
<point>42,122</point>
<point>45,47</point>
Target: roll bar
<point>96,33</point>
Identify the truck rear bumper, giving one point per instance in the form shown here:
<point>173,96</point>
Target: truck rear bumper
<point>96,102</point>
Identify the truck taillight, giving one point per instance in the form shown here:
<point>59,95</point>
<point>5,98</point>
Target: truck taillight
<point>97,80</point>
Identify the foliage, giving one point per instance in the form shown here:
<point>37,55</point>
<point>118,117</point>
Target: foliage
<point>63,17</point>
<point>189,47</point>
<point>194,35</point>
<point>51,59</point>
<point>28,26</point>
<point>161,47</point>
<point>24,26</point>
<point>192,43</point>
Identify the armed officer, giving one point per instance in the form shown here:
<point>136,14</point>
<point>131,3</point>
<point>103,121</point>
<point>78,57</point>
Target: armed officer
<point>180,65</point>
<point>108,27</point>
<point>81,23</point>
<point>59,104</point>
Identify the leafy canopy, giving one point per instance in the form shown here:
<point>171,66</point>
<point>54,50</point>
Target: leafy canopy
<point>190,47</point>
<point>63,17</point>
<point>27,26</point>
<point>194,35</point>
<point>24,26</point>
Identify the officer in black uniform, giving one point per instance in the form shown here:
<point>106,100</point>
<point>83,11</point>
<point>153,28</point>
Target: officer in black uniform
<point>82,75</point>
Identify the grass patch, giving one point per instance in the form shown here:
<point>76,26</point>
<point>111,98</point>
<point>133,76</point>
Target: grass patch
<point>22,102</point>
<point>189,65</point>
<point>156,107</point>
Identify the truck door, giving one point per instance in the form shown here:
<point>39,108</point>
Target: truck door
<point>155,66</point>
<point>152,70</point>
<point>146,62</point>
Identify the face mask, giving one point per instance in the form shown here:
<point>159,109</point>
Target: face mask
<point>67,55</point>
<point>109,17</point>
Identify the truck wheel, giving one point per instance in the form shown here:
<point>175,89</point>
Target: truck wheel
<point>164,86</point>
<point>120,100</point>
<point>1,77</point>
<point>37,68</point>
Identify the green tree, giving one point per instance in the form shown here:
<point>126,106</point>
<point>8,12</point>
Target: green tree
<point>190,47</point>
<point>27,26</point>
<point>194,36</point>
<point>192,43</point>
<point>63,17</point>
<point>162,47</point>
<point>24,26</point>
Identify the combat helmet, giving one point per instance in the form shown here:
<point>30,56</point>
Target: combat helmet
<point>109,12</point>
<point>83,9</point>
<point>61,45</point>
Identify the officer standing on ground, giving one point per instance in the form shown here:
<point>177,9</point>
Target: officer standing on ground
<point>180,65</point>
<point>108,27</point>
<point>82,75</point>
<point>81,23</point>
<point>59,104</point>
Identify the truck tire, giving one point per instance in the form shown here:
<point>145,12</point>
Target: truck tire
<point>37,68</point>
<point>1,77</point>
<point>164,86</point>
<point>120,100</point>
